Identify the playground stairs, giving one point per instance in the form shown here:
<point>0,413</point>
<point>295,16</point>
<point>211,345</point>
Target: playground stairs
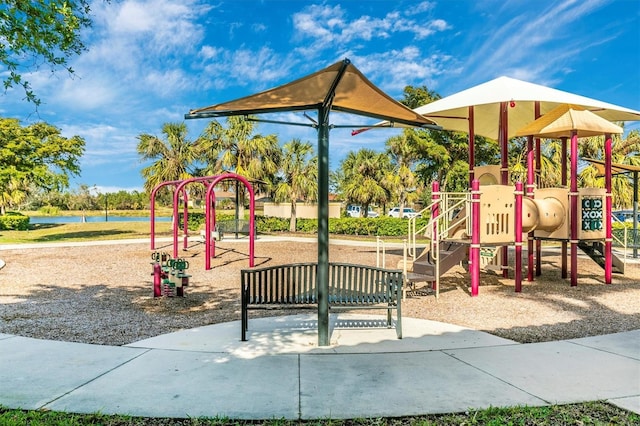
<point>595,250</point>
<point>424,267</point>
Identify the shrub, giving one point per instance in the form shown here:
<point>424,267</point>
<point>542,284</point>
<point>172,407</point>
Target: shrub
<point>49,210</point>
<point>14,221</point>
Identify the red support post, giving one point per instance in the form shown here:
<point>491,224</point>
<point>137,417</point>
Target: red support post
<point>531,194</point>
<point>573,219</point>
<point>518,237</point>
<point>435,238</point>
<point>472,145</point>
<point>474,251</point>
<point>538,155</point>
<point>608,242</point>
<point>504,170</point>
<point>563,181</point>
<point>185,221</point>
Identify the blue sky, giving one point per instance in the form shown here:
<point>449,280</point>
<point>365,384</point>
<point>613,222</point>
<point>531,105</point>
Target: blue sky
<point>151,61</point>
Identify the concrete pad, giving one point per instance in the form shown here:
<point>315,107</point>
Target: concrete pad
<point>398,384</point>
<point>558,372</point>
<point>35,372</point>
<point>625,344</point>
<point>631,403</point>
<point>192,384</point>
<point>349,333</point>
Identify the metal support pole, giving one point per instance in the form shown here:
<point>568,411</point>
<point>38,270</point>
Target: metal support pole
<point>636,238</point>
<point>323,227</point>
<point>608,261</point>
<point>504,169</point>
<point>531,194</point>
<point>472,145</point>
<point>474,252</point>
<point>563,182</point>
<point>573,219</point>
<point>518,237</point>
<point>185,221</point>
<point>538,158</point>
<point>435,238</point>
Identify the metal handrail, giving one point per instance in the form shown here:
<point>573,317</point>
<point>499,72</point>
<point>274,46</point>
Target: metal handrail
<point>444,224</point>
<point>623,244</point>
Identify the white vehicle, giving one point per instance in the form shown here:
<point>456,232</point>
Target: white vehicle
<point>355,211</point>
<point>407,213</point>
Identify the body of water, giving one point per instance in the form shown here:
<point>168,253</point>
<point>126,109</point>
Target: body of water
<point>78,219</point>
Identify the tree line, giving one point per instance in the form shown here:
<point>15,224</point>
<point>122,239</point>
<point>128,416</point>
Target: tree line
<point>36,163</point>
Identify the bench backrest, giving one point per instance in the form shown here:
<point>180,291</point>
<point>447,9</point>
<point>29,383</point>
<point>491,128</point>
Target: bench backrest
<point>297,284</point>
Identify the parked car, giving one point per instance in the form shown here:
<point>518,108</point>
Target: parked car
<point>355,211</point>
<point>625,215</point>
<point>407,213</point>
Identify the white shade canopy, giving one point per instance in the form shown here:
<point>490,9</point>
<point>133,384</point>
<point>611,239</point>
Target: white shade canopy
<point>452,112</point>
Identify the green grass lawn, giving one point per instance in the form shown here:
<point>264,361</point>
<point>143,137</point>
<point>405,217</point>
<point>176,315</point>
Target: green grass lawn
<point>592,413</point>
<point>89,231</point>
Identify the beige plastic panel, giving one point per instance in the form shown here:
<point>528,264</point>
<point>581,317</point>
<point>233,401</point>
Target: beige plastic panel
<point>553,213</point>
<point>591,213</point>
<point>488,175</point>
<point>496,214</point>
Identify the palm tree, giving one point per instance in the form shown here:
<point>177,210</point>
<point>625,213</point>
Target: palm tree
<point>237,149</point>
<point>299,176</point>
<point>363,173</point>
<point>623,151</point>
<point>401,179</point>
<point>172,157</point>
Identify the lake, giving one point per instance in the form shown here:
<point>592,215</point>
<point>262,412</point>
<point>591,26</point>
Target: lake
<point>78,219</point>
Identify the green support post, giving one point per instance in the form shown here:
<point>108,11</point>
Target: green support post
<point>323,227</point>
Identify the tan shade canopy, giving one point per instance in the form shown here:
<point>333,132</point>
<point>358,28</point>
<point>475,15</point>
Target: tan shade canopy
<point>341,86</point>
<point>565,119</point>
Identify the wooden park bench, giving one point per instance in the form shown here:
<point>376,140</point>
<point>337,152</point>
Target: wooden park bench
<point>294,286</point>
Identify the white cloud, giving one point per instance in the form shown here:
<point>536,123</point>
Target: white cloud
<point>540,42</point>
<point>330,27</point>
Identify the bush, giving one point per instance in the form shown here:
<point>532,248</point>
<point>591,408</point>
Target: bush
<point>14,221</point>
<point>382,226</point>
<point>49,210</point>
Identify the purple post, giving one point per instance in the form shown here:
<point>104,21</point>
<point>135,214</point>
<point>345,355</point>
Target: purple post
<point>518,230</point>
<point>185,220</point>
<point>538,156</point>
<point>435,212</point>
<point>252,206</point>
<point>472,146</point>
<point>563,182</point>
<point>153,209</point>
<point>474,255</point>
<point>530,193</point>
<point>573,197</point>
<point>504,169</point>
<point>608,242</point>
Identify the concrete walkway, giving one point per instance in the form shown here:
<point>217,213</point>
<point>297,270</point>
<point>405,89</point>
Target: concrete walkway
<point>282,373</point>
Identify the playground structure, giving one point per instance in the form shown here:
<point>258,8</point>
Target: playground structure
<point>500,216</point>
<point>210,217</point>
<point>589,218</point>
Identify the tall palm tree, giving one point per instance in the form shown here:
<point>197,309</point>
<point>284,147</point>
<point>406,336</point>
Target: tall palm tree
<point>299,180</point>
<point>172,156</point>
<point>237,149</point>
<point>623,151</point>
<point>363,173</point>
<point>401,179</point>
